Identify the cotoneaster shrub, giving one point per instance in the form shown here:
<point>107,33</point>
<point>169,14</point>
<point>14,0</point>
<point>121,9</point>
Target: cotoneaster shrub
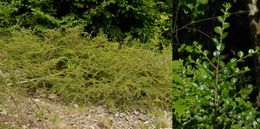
<point>209,93</point>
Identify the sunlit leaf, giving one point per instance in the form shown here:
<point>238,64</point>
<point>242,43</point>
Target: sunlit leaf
<point>234,80</point>
<point>226,25</point>
<point>220,19</point>
<point>240,54</point>
<point>246,91</point>
<point>221,47</point>
<point>218,30</point>
<point>251,51</point>
<point>216,53</point>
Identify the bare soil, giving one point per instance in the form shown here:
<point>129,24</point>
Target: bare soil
<point>44,113</point>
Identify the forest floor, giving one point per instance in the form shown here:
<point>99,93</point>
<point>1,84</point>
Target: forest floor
<point>48,113</point>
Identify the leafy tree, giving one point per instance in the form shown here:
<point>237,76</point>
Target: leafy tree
<point>141,19</point>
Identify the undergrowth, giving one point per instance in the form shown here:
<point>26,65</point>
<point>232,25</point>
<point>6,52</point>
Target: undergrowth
<point>80,69</point>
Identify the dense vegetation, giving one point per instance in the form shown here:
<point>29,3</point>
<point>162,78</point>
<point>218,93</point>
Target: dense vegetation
<point>116,53</point>
<point>119,19</point>
<point>82,69</point>
<point>210,89</point>
<point>113,53</point>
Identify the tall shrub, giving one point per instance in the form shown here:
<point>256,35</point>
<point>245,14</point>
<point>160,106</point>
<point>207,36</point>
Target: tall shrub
<point>118,18</point>
<point>209,92</point>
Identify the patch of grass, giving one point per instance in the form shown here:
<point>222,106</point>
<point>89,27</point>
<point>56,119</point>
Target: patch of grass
<point>57,122</point>
<point>5,126</point>
<point>12,114</point>
<point>86,70</point>
<point>162,122</point>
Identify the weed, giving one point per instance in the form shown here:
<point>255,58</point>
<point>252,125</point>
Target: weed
<point>105,123</point>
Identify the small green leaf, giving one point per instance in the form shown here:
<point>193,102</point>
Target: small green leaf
<point>226,25</point>
<point>222,10</point>
<point>190,6</point>
<point>251,51</point>
<point>226,72</point>
<point>164,17</point>
<point>214,59</point>
<point>236,70</point>
<point>221,19</point>
<point>189,67</point>
<point>215,40</point>
<point>227,5</point>
<point>200,46</point>
<point>233,60</point>
<point>218,30</point>
<point>220,47</point>
<point>198,60</point>
<point>221,64</point>
<point>189,49</point>
<point>205,65</point>
<point>240,54</point>
<point>198,118</point>
<point>195,43</point>
<point>177,64</point>
<point>226,14</point>
<point>182,48</point>
<point>245,92</point>
<point>225,34</point>
<point>216,53</point>
<point>234,80</point>
<point>205,52</point>
<point>246,69</point>
<point>255,123</point>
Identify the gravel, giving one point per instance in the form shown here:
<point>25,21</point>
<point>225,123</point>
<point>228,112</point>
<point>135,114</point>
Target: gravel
<point>39,113</point>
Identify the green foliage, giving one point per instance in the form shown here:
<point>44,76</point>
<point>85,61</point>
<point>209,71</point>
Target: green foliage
<point>118,18</point>
<point>6,12</point>
<point>211,93</point>
<point>195,8</point>
<point>83,70</point>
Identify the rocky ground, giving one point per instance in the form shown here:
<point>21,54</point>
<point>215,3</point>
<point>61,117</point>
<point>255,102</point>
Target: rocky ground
<point>39,113</point>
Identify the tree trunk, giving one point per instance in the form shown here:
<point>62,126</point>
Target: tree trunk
<point>255,38</point>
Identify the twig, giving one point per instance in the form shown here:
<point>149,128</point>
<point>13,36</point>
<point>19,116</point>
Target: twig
<point>34,79</point>
<point>175,24</point>
<point>199,31</point>
<point>11,96</point>
<point>205,19</point>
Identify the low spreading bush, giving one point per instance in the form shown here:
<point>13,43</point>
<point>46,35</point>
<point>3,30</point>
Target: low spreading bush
<point>80,69</point>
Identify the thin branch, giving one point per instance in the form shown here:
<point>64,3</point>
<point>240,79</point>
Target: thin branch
<point>11,96</point>
<point>200,32</point>
<point>206,19</point>
<point>206,57</point>
<point>32,80</point>
<point>175,24</point>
